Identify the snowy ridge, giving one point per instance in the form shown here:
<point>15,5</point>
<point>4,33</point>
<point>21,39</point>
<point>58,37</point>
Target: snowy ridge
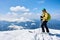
<point>27,34</point>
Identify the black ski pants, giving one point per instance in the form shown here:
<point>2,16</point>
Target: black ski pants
<point>44,25</point>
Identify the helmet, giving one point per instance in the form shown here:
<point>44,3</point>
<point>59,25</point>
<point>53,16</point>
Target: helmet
<point>44,9</point>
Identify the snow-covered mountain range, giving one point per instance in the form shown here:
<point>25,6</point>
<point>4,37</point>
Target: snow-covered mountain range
<point>6,25</point>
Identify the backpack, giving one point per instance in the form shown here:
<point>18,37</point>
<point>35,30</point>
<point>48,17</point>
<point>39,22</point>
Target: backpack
<point>49,16</point>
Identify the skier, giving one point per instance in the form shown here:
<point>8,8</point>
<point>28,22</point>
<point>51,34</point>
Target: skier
<point>45,18</point>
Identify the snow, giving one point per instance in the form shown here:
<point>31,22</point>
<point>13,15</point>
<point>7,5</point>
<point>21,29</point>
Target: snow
<point>29,34</point>
<point>12,26</point>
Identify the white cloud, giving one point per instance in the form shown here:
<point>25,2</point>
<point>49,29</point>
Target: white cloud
<point>23,19</point>
<point>19,8</point>
<point>32,15</point>
<point>55,16</point>
<point>11,17</point>
<point>25,16</point>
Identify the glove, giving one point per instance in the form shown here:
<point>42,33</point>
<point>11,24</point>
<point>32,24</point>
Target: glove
<point>41,18</point>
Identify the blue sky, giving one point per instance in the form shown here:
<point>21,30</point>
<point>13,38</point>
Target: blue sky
<point>34,6</point>
<point>31,4</point>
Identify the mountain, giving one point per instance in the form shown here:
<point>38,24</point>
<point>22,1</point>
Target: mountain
<point>4,25</point>
<point>54,24</point>
<point>29,34</point>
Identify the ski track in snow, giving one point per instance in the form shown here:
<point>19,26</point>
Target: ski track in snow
<point>26,34</point>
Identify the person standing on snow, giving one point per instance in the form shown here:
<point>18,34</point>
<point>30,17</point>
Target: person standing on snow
<point>45,18</point>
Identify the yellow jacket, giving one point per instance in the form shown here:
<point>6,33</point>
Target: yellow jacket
<point>45,16</point>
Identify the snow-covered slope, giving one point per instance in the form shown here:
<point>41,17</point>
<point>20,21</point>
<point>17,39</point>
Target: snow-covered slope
<point>27,34</point>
